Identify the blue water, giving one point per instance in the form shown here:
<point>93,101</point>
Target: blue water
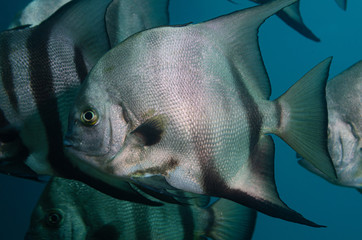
<point>287,56</point>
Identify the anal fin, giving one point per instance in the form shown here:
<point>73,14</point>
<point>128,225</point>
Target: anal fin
<point>255,187</point>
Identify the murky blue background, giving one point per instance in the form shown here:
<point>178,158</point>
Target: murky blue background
<point>287,56</point>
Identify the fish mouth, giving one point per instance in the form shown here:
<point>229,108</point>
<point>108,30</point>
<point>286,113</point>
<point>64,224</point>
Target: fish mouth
<point>78,156</point>
<point>84,159</point>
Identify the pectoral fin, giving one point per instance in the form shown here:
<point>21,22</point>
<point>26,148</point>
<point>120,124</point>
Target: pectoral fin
<point>150,132</point>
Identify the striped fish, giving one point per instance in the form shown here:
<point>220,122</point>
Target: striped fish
<point>344,101</point>
<point>70,210</point>
<point>187,107</point>
<point>41,69</point>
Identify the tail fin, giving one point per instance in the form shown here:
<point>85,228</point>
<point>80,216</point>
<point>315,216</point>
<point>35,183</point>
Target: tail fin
<point>231,221</point>
<point>304,118</point>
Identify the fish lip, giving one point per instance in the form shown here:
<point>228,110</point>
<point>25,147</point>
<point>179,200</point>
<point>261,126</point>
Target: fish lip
<point>75,154</point>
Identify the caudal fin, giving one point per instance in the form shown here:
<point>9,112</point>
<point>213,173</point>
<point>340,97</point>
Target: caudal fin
<point>231,221</point>
<point>304,118</point>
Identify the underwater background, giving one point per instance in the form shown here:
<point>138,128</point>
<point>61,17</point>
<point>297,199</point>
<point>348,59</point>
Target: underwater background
<point>287,56</point>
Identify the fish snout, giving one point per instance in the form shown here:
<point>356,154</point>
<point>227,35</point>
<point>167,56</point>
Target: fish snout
<point>68,142</point>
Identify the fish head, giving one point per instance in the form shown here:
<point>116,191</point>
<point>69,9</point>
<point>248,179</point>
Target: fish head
<point>96,128</point>
<point>345,147</point>
<point>344,98</point>
<point>57,214</point>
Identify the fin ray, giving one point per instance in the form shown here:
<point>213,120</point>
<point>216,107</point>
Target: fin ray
<point>255,187</point>
<point>292,17</point>
<point>232,221</point>
<point>305,108</point>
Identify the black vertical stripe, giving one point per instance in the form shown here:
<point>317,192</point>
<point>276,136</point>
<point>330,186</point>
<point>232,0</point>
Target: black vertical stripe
<point>215,185</point>
<point>254,117</point>
<point>3,121</point>
<point>212,180</point>
<point>41,83</point>
<point>7,76</point>
<point>80,65</point>
<point>211,221</point>
<point>43,90</point>
<point>142,220</point>
<point>187,220</point>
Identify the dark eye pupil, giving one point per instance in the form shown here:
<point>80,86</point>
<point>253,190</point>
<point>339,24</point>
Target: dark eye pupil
<point>88,116</point>
<point>54,218</point>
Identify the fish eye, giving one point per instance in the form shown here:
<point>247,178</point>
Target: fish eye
<point>89,117</point>
<point>54,218</point>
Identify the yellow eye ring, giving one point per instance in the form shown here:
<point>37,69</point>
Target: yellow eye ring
<point>89,117</point>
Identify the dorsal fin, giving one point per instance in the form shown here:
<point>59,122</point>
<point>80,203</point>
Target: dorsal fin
<point>291,16</point>
<point>151,13</point>
<point>342,4</point>
<point>245,55</point>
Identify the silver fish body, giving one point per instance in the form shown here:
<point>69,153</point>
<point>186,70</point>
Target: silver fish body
<point>187,108</point>
<point>71,210</point>
<point>344,101</point>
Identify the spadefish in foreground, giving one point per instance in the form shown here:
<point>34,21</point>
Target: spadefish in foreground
<point>187,108</point>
